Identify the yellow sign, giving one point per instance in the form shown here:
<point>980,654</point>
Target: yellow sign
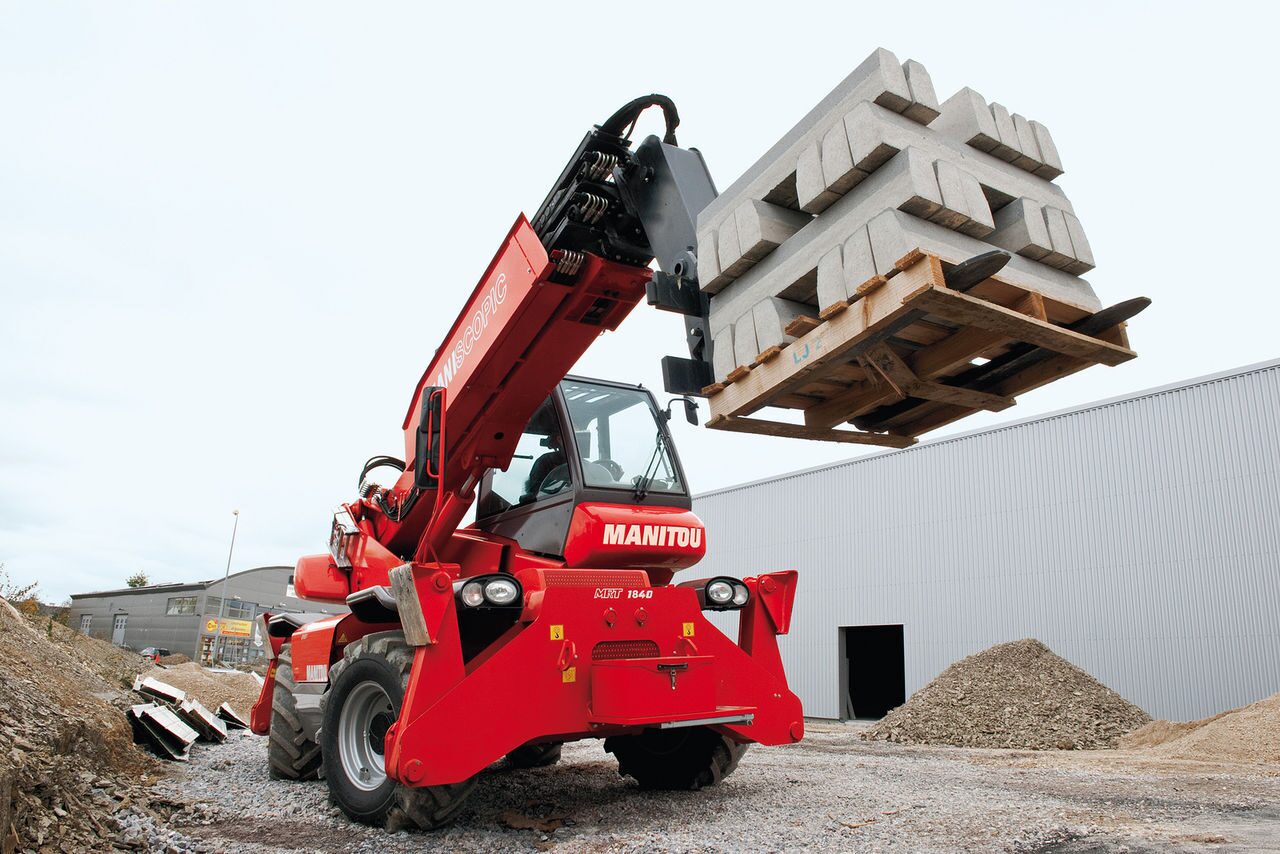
<point>569,675</point>
<point>557,633</point>
<point>688,630</point>
<point>230,627</point>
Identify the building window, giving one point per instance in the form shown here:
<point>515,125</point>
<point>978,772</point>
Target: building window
<point>235,608</point>
<point>181,606</point>
<point>86,622</point>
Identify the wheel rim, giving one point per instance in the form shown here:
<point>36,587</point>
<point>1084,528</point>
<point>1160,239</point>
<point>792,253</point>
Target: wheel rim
<point>362,730</point>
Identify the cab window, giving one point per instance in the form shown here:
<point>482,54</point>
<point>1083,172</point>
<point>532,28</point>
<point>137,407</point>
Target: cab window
<point>538,470</point>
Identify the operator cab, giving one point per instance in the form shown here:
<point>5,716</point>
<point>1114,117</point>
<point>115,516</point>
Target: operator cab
<point>589,441</point>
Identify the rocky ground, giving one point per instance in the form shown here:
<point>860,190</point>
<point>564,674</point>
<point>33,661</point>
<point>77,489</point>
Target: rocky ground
<point>832,792</point>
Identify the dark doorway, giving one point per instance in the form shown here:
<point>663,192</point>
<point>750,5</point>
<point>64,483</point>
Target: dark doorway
<point>872,671</point>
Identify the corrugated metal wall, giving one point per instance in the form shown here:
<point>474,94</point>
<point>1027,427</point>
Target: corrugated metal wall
<point>1138,538</point>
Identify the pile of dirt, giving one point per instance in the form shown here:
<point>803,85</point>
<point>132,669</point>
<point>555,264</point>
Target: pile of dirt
<point>111,663</point>
<point>69,771</point>
<point>1250,734</point>
<point>175,658</point>
<point>1015,695</point>
<point>213,687</point>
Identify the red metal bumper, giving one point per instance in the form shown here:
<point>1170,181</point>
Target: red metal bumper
<point>589,661</point>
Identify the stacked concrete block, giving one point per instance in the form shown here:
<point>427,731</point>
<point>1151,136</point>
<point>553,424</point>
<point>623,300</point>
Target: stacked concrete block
<point>876,169</point>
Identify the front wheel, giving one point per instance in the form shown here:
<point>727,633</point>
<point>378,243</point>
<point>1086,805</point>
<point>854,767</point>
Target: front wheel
<point>366,691</point>
<point>681,758</point>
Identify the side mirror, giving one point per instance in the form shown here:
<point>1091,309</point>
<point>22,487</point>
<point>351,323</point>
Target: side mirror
<point>690,410</point>
<point>429,448</point>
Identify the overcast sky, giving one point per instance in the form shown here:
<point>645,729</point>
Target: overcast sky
<point>232,234</point>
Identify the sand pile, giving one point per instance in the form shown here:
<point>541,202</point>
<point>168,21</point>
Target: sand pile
<point>1250,734</point>
<point>1017,695</point>
<point>213,687</point>
<point>68,766</point>
<point>175,658</point>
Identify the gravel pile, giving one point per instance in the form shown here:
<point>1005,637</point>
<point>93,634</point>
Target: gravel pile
<point>110,663</point>
<point>70,776</point>
<point>1015,695</point>
<point>1250,734</point>
<point>213,687</point>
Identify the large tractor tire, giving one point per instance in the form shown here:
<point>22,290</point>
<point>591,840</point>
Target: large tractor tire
<point>535,755</point>
<point>292,754</point>
<point>679,759</point>
<point>366,690</point>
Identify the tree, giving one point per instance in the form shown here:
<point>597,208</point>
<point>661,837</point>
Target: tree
<point>138,579</point>
<point>14,592</point>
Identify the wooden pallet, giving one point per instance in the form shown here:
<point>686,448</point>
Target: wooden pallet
<point>909,354</point>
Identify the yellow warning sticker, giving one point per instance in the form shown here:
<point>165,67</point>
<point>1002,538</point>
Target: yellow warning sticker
<point>342,638</point>
<point>688,630</point>
<point>569,674</point>
<point>557,633</point>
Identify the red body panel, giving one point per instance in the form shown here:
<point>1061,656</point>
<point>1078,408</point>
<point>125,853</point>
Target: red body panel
<point>628,536</point>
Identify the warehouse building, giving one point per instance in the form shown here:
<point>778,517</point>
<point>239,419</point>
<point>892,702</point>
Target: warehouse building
<point>190,618</point>
<point>1137,537</point>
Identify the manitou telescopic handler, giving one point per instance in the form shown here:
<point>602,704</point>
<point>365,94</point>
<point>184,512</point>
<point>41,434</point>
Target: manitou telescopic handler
<point>554,617</point>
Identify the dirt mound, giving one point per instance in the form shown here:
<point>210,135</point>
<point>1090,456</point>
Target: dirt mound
<point>1250,734</point>
<point>1016,695</point>
<point>111,663</point>
<point>68,766</point>
<point>213,687</point>
<point>176,658</point>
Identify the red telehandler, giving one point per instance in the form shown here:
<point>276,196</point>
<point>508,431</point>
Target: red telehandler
<point>554,617</point>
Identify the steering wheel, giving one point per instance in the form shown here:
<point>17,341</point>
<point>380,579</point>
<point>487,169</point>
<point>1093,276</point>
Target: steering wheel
<point>556,481</point>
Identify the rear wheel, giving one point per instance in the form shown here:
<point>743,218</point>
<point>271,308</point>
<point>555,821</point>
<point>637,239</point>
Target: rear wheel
<point>292,754</point>
<point>681,758</point>
<point>366,690</point>
<point>535,755</point>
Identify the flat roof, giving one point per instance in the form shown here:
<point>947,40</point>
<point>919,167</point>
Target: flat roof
<point>173,587</point>
<point>1257,367</point>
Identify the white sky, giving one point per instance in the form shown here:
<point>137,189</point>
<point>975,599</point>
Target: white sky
<point>232,234</point>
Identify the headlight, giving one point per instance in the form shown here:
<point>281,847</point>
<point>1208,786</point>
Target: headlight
<point>489,591</point>
<point>720,592</point>
<point>501,591</point>
<point>472,594</point>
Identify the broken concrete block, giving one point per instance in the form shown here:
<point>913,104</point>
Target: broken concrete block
<point>161,690</point>
<point>771,318</point>
<point>924,101</point>
<point>194,714</point>
<point>1020,228</point>
<point>231,718</point>
<point>1051,163</point>
<point>161,730</point>
<point>894,233</point>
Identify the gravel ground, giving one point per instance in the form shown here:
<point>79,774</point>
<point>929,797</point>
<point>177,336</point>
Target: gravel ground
<point>832,792</point>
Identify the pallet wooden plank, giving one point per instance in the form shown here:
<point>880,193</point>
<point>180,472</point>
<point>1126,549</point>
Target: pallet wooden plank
<point>956,351</point>
<point>878,314</point>
<point>972,311</point>
<point>796,431</point>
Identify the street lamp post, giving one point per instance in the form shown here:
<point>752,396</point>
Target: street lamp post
<point>222,603</point>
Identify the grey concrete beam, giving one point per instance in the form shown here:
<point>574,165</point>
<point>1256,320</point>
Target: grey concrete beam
<point>771,317</point>
<point>924,108</point>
